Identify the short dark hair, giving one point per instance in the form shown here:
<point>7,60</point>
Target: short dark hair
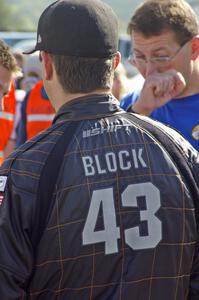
<point>83,75</point>
<point>153,17</point>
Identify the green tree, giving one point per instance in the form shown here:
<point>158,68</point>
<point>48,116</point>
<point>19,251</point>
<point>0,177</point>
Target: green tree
<point>5,16</point>
<point>11,19</point>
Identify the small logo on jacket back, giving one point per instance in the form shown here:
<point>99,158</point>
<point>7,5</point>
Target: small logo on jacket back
<point>3,180</point>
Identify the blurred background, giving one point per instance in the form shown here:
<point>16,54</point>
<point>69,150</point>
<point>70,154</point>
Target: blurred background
<point>18,21</point>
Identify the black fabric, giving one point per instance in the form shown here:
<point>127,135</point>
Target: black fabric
<point>85,107</point>
<point>177,156</point>
<point>185,168</point>
<point>48,179</point>
<point>66,268</point>
<point>86,28</point>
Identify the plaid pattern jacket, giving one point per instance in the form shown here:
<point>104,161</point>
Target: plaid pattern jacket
<point>123,221</point>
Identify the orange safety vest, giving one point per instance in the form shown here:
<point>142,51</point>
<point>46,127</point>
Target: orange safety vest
<point>7,119</point>
<point>40,112</point>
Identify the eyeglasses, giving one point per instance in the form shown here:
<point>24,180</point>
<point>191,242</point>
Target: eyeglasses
<point>157,60</point>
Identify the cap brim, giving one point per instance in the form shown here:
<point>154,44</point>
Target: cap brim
<point>30,51</point>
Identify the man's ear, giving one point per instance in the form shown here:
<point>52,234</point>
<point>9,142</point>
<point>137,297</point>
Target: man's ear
<point>195,47</point>
<point>48,65</point>
<point>117,59</point>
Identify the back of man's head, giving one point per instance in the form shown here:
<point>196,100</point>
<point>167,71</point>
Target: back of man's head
<point>81,36</point>
<point>165,15</point>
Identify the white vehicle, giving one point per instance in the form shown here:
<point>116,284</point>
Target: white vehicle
<point>12,37</point>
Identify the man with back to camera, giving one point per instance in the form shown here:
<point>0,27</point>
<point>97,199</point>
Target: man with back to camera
<point>120,220</point>
<point>165,52</point>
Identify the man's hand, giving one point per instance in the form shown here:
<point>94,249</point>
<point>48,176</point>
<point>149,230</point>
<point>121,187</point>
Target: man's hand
<point>158,89</point>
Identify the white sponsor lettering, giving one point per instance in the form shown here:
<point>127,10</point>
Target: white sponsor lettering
<point>97,130</point>
<point>112,162</point>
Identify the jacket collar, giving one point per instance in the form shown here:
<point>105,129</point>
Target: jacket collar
<point>88,107</point>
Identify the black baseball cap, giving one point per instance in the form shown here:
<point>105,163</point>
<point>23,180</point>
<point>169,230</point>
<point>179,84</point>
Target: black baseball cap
<point>83,28</point>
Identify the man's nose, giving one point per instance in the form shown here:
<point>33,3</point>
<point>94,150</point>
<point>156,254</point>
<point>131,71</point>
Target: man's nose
<point>150,68</point>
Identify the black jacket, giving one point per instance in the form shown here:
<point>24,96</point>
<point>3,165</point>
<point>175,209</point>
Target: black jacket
<point>123,221</point>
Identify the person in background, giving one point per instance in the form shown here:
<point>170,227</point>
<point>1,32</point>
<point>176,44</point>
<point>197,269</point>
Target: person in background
<point>8,71</point>
<point>121,83</point>
<point>32,71</point>
<point>103,204</point>
<point>37,112</point>
<point>165,52</point>
<point>19,93</point>
<point>19,57</point>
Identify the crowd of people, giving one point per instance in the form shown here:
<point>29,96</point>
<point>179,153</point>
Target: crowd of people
<point>31,109</point>
<point>27,109</point>
<point>99,177</point>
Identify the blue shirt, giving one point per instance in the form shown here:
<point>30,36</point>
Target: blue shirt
<point>181,114</point>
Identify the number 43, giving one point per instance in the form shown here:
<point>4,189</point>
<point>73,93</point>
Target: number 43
<point>111,232</point>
